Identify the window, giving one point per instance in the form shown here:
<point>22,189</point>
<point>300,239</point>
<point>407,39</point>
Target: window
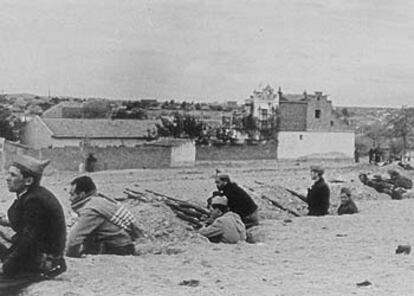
<point>300,137</point>
<point>318,113</point>
<point>332,123</point>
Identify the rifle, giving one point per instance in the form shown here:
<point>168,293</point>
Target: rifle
<point>180,202</point>
<point>298,195</point>
<point>273,202</point>
<point>184,210</point>
<point>278,205</point>
<point>135,194</point>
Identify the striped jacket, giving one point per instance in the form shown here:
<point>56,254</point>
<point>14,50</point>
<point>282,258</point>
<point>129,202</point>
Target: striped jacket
<point>104,219</point>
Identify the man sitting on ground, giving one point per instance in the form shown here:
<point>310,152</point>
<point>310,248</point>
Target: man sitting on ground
<point>239,201</point>
<point>227,226</point>
<point>104,225</point>
<point>347,205</point>
<point>36,216</point>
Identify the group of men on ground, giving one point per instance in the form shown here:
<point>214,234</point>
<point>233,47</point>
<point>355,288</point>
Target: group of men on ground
<point>396,186</point>
<point>37,248</point>
<point>104,226</point>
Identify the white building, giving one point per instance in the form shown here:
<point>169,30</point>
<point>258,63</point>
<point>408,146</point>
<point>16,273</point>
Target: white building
<point>65,132</point>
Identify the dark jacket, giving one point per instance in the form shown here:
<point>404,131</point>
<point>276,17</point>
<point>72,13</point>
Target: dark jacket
<point>318,198</point>
<point>348,208</point>
<point>39,222</point>
<point>239,201</point>
<point>403,182</point>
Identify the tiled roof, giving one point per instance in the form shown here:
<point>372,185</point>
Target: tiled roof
<point>99,128</point>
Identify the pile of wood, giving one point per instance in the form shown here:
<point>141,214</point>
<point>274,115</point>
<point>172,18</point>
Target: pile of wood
<point>191,213</point>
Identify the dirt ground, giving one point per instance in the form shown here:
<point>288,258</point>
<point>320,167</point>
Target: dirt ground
<point>293,256</point>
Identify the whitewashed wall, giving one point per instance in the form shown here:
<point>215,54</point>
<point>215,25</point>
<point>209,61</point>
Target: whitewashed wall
<point>183,155</point>
<point>297,144</point>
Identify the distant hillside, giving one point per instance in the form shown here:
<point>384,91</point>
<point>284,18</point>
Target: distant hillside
<point>359,117</point>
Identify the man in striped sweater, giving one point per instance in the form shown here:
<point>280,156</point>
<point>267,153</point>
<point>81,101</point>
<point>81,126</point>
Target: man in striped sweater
<point>104,226</point>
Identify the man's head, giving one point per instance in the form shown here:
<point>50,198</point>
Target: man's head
<point>81,187</point>
<point>222,180</point>
<point>316,172</point>
<point>25,172</point>
<point>345,195</point>
<point>218,206</point>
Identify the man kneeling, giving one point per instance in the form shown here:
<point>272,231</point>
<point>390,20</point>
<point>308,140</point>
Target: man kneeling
<point>104,225</point>
<point>227,226</point>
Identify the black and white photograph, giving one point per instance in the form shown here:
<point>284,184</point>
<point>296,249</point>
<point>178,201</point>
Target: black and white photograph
<point>193,147</point>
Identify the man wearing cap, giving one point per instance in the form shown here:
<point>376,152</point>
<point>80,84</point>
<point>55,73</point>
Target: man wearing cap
<point>318,195</point>
<point>227,226</point>
<point>239,201</point>
<point>104,226</point>
<point>38,220</point>
<point>347,205</point>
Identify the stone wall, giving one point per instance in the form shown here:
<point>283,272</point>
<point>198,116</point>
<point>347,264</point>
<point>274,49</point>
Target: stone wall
<point>109,158</point>
<point>239,152</point>
<point>292,116</point>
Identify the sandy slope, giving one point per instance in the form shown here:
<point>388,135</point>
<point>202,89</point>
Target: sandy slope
<point>296,256</point>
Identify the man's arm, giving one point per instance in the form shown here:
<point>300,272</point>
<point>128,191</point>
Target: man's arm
<point>212,231</point>
<point>87,223</point>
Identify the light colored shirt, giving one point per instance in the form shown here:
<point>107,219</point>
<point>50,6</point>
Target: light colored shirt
<point>228,228</point>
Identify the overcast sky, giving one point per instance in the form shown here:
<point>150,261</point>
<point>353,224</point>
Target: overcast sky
<point>359,52</point>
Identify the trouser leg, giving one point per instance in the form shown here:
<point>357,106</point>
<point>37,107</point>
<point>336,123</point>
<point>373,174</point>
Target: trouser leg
<point>251,220</point>
<point>14,285</point>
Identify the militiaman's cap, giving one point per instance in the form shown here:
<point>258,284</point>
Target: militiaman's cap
<point>30,164</point>
<point>223,177</point>
<point>318,169</point>
<point>219,200</point>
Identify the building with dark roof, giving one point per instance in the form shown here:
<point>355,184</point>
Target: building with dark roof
<point>64,132</point>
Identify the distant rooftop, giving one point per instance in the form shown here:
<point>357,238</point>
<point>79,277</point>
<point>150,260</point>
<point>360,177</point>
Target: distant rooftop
<point>99,128</point>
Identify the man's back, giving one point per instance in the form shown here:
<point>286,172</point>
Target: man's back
<point>228,228</point>
<point>94,223</point>
<point>318,198</point>
<point>238,200</point>
<point>348,208</point>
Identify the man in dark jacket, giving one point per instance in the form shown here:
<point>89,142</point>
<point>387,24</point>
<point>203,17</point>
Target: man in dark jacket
<point>318,195</point>
<point>239,201</point>
<point>38,220</point>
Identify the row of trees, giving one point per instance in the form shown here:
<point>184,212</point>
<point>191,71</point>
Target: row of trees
<point>10,126</point>
<point>397,129</point>
<point>188,126</point>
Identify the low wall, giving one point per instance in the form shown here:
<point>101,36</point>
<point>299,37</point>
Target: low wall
<point>298,144</point>
<point>109,158</point>
<point>237,152</point>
